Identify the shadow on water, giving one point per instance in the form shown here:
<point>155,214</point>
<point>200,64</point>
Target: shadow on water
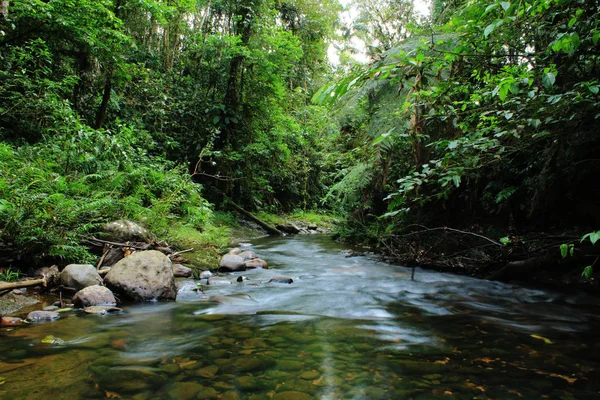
<point>347,328</point>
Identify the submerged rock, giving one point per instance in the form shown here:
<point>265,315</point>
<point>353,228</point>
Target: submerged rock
<point>101,310</point>
<point>79,276</point>
<point>216,281</point>
<point>145,275</point>
<point>11,303</point>
<point>292,395</point>
<point>281,279</point>
<point>130,379</point>
<point>11,321</point>
<point>208,372</point>
<point>94,296</point>
<point>189,291</point>
<point>183,390</point>
<point>41,316</point>
<point>232,263</point>
<point>52,340</point>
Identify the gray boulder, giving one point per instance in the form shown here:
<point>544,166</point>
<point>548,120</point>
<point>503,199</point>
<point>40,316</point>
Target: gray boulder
<point>124,230</point>
<point>232,263</point>
<point>94,296</point>
<point>289,228</point>
<point>248,255</point>
<point>181,271</point>
<point>41,316</point>
<point>79,276</point>
<point>145,275</point>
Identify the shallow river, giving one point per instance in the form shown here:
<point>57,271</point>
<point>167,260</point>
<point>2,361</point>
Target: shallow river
<point>346,328</point>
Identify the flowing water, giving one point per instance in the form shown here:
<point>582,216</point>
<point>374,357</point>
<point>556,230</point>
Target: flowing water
<point>346,328</point>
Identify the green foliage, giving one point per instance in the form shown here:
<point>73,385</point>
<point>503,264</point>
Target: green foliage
<point>10,275</point>
<point>567,249</point>
<point>56,192</point>
<point>494,121</point>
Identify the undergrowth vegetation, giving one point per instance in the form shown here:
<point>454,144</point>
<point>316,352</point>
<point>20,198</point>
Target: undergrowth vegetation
<point>60,190</point>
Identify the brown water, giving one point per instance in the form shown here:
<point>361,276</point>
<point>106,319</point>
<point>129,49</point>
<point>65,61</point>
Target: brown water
<point>347,328</point>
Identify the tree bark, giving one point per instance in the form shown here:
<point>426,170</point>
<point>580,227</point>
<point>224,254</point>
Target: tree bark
<point>102,111</point>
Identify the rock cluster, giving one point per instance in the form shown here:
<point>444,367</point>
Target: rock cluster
<point>301,228</point>
<point>237,260</point>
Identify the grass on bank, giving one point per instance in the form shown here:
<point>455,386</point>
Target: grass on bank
<point>324,221</point>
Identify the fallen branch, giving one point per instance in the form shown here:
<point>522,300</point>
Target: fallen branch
<point>106,250</point>
<point>519,268</point>
<point>22,284</point>
<point>269,228</point>
<point>93,239</point>
<point>445,228</point>
<point>181,252</point>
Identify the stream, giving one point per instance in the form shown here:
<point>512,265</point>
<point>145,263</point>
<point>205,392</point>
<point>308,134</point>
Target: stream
<point>346,328</point>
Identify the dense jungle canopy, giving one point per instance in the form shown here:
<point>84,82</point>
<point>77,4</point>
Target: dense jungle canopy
<point>469,140</point>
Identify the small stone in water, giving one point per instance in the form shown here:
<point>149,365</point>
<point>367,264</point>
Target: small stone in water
<point>40,316</point>
<point>52,340</point>
<point>205,274</point>
<point>291,395</point>
<point>281,279</point>
<point>101,310</point>
<point>208,372</point>
<point>310,375</point>
<point>11,321</point>
<point>247,383</point>
<point>208,393</point>
<point>184,390</point>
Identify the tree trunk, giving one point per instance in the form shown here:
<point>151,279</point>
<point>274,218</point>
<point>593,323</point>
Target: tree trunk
<point>4,8</point>
<point>102,111</point>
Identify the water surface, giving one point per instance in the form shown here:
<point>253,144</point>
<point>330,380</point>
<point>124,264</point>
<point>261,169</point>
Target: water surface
<point>347,328</point>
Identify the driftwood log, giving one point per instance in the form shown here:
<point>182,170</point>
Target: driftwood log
<point>267,227</point>
<point>50,278</point>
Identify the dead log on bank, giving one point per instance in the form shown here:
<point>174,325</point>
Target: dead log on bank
<point>269,228</point>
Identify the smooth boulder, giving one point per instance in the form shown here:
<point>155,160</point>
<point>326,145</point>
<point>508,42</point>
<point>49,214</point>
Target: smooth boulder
<point>181,271</point>
<point>232,263</point>
<point>125,230</point>
<point>145,275</point>
<point>94,296</point>
<point>41,316</point>
<point>79,276</point>
<point>256,263</point>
